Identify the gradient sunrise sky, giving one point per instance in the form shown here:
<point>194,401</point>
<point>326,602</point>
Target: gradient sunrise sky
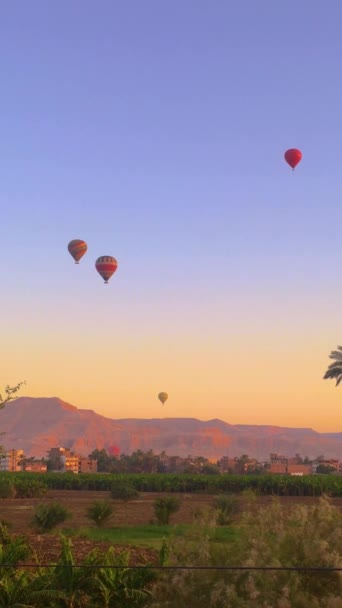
<point>155,130</point>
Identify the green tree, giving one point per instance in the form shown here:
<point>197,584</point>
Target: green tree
<point>103,460</point>
<point>241,462</point>
<point>325,468</point>
<point>210,469</point>
<point>334,370</point>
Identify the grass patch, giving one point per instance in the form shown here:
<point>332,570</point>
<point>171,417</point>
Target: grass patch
<point>150,535</point>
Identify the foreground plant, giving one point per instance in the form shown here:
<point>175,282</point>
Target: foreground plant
<point>101,579</point>
<point>66,584</point>
<point>117,585</point>
<point>302,536</point>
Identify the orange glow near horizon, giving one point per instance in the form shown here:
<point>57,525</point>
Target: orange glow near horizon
<point>277,383</point>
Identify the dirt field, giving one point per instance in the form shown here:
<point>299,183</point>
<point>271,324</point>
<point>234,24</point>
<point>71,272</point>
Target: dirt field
<point>18,513</point>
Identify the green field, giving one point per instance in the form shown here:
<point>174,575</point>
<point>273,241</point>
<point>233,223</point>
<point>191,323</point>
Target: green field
<point>150,536</point>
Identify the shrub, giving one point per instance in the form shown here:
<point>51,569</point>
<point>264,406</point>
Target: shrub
<point>7,489</point>
<point>227,506</point>
<point>48,516</point>
<point>124,492</point>
<point>165,507</point>
<point>99,512</point>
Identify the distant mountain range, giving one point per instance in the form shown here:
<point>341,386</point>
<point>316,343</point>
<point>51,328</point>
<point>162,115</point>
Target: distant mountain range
<point>37,424</point>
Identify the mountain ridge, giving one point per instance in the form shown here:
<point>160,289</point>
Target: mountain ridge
<point>35,424</point>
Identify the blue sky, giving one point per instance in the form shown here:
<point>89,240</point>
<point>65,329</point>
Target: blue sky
<point>156,131</point>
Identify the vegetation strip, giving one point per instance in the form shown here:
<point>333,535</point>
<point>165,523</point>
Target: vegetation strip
<point>27,484</point>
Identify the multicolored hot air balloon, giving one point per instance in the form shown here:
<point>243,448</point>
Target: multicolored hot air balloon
<point>106,266</point>
<point>293,157</point>
<point>163,397</point>
<point>77,248</point>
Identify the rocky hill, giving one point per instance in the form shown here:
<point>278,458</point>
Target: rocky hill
<point>37,424</point>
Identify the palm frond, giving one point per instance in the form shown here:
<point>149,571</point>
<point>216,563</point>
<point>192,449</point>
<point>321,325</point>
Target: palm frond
<point>336,354</point>
<point>334,370</point>
<point>333,374</point>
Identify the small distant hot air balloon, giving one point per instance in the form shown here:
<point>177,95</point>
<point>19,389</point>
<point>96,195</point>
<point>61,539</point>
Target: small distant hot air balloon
<point>163,397</point>
<point>293,157</point>
<point>77,248</point>
<point>113,450</point>
<point>106,266</point>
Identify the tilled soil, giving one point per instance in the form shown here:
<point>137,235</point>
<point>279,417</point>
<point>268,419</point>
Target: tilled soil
<point>18,512</point>
<point>47,550</point>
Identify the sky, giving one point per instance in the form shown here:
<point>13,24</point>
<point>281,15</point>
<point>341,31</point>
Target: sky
<point>156,132</point>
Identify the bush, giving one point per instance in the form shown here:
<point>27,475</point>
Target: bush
<point>124,491</point>
<point>227,506</point>
<point>7,489</point>
<point>48,516</point>
<point>99,512</point>
<point>165,507</point>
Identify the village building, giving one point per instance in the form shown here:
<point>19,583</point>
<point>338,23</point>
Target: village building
<point>12,460</point>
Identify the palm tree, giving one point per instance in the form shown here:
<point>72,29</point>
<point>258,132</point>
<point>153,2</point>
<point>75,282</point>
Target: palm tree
<point>335,369</point>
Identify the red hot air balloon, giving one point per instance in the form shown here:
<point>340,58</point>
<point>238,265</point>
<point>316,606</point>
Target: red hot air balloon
<point>113,450</point>
<point>293,157</point>
<point>77,249</point>
<point>106,266</point>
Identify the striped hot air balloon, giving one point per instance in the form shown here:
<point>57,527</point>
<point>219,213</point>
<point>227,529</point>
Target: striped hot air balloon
<point>77,248</point>
<point>106,265</point>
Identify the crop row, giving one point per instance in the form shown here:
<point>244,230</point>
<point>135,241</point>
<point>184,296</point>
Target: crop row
<point>278,485</point>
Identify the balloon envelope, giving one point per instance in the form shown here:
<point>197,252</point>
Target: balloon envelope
<point>114,450</point>
<point>106,265</point>
<point>293,156</point>
<point>163,397</point>
<point>77,248</point>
